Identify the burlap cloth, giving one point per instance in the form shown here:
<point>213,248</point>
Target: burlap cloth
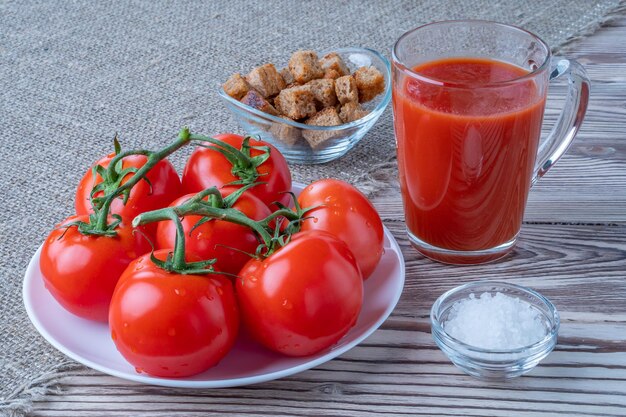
<point>74,73</point>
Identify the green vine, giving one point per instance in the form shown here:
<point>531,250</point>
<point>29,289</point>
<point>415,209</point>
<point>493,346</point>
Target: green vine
<point>220,208</point>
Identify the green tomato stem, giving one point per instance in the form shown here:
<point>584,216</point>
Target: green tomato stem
<point>202,208</point>
<point>184,137</point>
<point>244,165</point>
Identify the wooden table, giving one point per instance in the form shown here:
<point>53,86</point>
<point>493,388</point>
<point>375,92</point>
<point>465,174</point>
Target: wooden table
<point>572,249</point>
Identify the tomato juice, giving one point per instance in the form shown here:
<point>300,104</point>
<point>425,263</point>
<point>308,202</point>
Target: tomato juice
<point>467,132</point>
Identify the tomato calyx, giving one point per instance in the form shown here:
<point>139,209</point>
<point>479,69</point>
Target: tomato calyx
<point>112,178</point>
<point>89,228</point>
<point>244,165</point>
<point>113,188</point>
<point>217,200</point>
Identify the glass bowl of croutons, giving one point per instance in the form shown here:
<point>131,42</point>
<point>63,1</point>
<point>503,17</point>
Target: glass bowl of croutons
<point>316,107</point>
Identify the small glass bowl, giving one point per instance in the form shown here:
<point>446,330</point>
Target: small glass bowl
<point>490,364</point>
<point>287,135</point>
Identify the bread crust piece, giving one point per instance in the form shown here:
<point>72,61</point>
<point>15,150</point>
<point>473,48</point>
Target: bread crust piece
<point>285,133</point>
<point>333,61</point>
<point>256,100</point>
<point>296,102</point>
<point>352,111</point>
<point>324,92</point>
<point>236,86</point>
<point>346,89</point>
<point>287,76</point>
<point>370,83</point>
<point>326,117</point>
<point>266,80</point>
<point>304,66</point>
<point>331,74</point>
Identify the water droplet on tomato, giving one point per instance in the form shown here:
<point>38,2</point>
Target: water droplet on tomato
<point>138,267</point>
<point>287,304</point>
<point>315,220</point>
<point>220,291</point>
<point>368,224</point>
<point>199,235</point>
<point>125,324</point>
<point>180,291</point>
<point>171,332</point>
<point>113,335</point>
<point>330,199</point>
<point>210,297</point>
<point>138,370</point>
<point>352,209</point>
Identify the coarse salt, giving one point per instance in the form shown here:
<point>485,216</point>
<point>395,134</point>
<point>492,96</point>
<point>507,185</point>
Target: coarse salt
<point>498,322</point>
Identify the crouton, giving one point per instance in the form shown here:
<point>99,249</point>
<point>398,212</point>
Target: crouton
<point>285,133</point>
<point>287,76</point>
<point>331,74</point>
<point>346,89</point>
<point>266,80</point>
<point>352,111</point>
<point>296,102</point>
<point>370,83</point>
<point>326,117</point>
<point>256,100</point>
<point>305,67</point>
<point>333,61</point>
<point>236,86</point>
<point>324,92</point>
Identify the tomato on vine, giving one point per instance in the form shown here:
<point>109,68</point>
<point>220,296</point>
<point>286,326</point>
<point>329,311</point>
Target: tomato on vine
<point>340,209</point>
<point>171,324</point>
<point>159,188</point>
<point>302,298</point>
<point>227,242</point>
<point>81,271</point>
<point>234,160</point>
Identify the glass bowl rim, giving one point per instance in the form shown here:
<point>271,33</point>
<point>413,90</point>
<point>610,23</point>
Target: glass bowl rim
<point>456,344</point>
<point>356,123</point>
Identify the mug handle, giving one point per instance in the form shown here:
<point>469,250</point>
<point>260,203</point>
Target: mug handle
<point>562,134</point>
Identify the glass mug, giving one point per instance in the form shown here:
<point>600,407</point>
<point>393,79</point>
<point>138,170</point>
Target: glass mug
<point>468,104</point>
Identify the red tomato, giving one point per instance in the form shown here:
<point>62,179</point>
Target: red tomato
<point>172,325</point>
<point>207,168</point>
<point>163,187</point>
<point>81,271</point>
<point>304,297</point>
<point>346,213</point>
<point>216,238</point>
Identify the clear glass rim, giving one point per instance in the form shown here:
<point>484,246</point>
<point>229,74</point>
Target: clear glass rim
<point>376,111</point>
<point>455,344</point>
<point>398,64</point>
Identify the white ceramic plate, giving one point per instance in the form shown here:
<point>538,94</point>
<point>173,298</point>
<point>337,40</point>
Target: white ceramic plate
<point>247,363</point>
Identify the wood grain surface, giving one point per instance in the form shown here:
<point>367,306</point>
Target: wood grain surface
<point>572,249</point>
